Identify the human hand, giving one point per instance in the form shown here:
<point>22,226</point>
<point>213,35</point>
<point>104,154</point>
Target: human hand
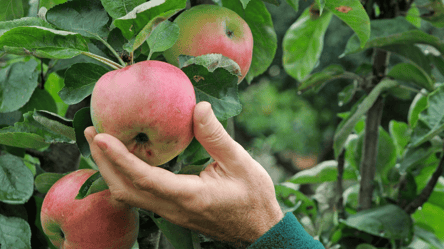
<point>232,200</point>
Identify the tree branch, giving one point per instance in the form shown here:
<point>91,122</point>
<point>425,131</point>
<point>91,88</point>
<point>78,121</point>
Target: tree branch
<point>427,191</point>
<point>340,188</point>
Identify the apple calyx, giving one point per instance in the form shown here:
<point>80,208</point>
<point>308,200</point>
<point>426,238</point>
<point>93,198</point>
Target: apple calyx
<point>141,138</point>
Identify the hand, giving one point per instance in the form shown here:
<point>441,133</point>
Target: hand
<point>232,200</point>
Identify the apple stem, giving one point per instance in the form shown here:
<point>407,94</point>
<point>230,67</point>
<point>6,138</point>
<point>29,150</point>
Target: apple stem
<point>105,61</point>
<point>149,56</point>
<point>112,51</point>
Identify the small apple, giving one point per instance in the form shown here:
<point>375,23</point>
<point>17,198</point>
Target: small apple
<point>149,107</point>
<point>211,29</point>
<point>97,221</point>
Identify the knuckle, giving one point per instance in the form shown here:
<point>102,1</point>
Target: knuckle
<point>119,195</point>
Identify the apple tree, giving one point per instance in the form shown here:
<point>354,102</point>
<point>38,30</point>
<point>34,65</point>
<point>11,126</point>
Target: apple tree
<point>52,52</point>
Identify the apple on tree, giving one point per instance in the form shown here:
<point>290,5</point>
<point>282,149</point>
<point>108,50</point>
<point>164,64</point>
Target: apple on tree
<point>212,29</point>
<point>97,221</point>
<point>149,107</point>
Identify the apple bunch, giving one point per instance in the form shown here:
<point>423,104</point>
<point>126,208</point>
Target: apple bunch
<point>149,105</point>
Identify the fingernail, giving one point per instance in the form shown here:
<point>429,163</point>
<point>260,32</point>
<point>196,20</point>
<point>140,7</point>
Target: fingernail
<point>208,113</point>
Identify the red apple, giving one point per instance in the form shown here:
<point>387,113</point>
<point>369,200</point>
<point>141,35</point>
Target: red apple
<point>211,29</point>
<point>149,107</point>
<point>97,221</point>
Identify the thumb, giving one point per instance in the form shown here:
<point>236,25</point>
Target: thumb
<point>213,137</point>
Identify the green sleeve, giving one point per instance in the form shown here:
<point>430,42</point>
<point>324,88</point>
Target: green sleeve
<point>288,233</point>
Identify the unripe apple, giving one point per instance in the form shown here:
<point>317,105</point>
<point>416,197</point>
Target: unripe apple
<point>211,29</point>
<point>149,107</point>
<point>97,221</point>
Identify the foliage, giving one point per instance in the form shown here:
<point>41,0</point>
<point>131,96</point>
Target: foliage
<point>53,52</point>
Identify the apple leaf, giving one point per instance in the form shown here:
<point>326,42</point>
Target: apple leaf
<point>329,73</point>
<point>303,43</point>
<point>82,120</point>
<point>119,8</point>
<point>17,180</point>
<point>93,184</point>
<point>17,83</point>
<point>32,134</point>
<point>14,232</point>
<point>395,31</point>
<point>430,122</point>
<point>429,237</point>
<point>85,17</point>
<point>289,198</point>
<point>381,222</point>
<point>146,31</point>
<point>194,154</point>
<point>321,5</point>
<point>436,15</point>
<point>347,125</point>
<point>413,54</point>
<point>80,80</point>
<point>353,14</point>
<point>294,4</point>
<point>163,37</point>
<point>264,36</point>
<point>42,42</point>
<point>133,22</point>
<point>25,21</point>
<point>326,171</point>
<point>40,100</point>
<point>418,104</point>
<point>214,83</point>
<point>274,2</point>
<point>55,123</point>
<point>411,73</point>
<point>11,9</point>
<point>245,3</point>
<point>44,181</point>
<point>179,237</point>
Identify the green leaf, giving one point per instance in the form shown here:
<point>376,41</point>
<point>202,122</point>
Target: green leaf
<point>40,100</point>
<point>44,181</point>
<point>366,246</point>
<point>17,83</point>
<point>264,36</point>
<point>31,134</point>
<point>147,29</point>
<point>395,31</point>
<point>163,37</point>
<point>326,171</point>
<point>400,133</point>
<point>381,222</point>
<point>353,14</point>
<point>11,9</point>
<point>428,237</point>
<point>42,42</point>
<point>303,43</point>
<point>419,104</point>
<point>14,232</point>
<point>17,180</point>
<point>436,15</point>
<point>289,198</point>
<point>85,17</point>
<point>214,83</point>
<point>416,156</point>
<point>133,22</point>
<point>430,216</point>
<point>194,154</point>
<point>80,80</point>
<point>294,4</point>
<point>55,123</point>
<point>85,189</point>
<point>410,73</point>
<point>347,125</point>
<point>321,5</point>
<point>119,8</point>
<point>25,21</point>
<point>178,236</point>
<point>432,118</point>
<point>245,3</point>
<point>329,73</point>
<point>347,94</point>
<point>274,2</point>
<point>407,189</point>
<point>53,85</point>
<point>413,54</point>
<point>413,16</point>
<point>82,120</point>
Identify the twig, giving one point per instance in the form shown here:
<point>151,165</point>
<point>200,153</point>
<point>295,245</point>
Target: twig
<point>427,191</point>
<point>340,188</point>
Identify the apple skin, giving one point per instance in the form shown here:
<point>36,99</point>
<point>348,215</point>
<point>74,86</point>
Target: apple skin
<point>212,29</point>
<point>152,98</point>
<point>97,221</point>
